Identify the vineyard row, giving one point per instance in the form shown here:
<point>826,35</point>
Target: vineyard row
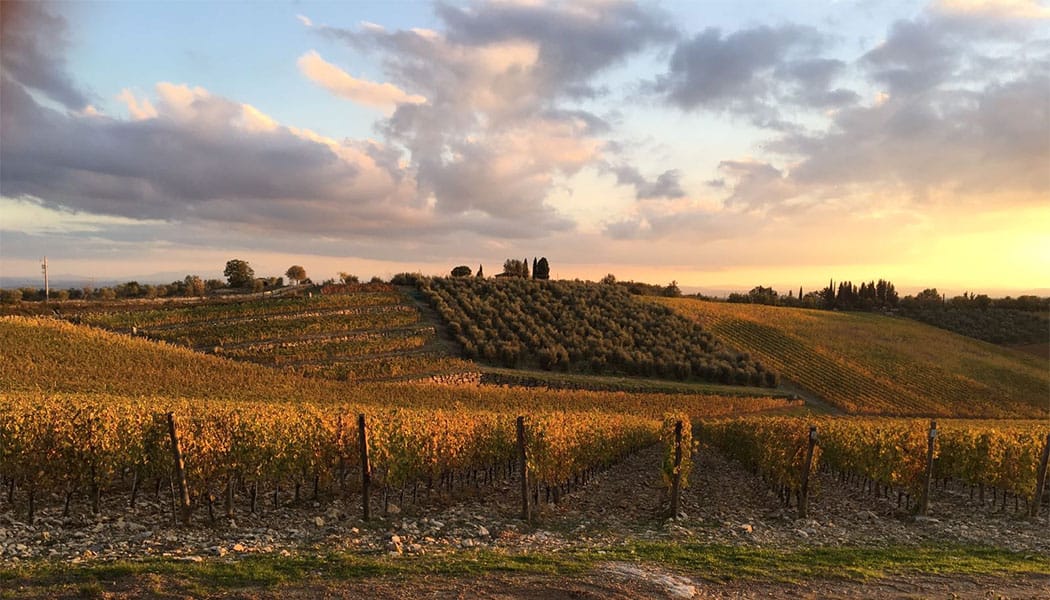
<point>890,454</point>
<point>57,450</point>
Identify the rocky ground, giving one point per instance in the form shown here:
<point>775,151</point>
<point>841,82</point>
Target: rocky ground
<point>724,505</point>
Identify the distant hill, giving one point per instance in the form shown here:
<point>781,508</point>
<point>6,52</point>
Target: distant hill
<point>872,364</point>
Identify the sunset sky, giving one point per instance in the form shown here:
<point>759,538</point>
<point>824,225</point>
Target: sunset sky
<point>722,144</point>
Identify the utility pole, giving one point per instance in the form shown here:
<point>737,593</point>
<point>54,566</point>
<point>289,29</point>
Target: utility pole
<point>47,289</point>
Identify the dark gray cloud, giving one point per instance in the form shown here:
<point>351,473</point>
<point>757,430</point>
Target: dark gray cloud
<point>916,56</point>
<point>944,47</point>
<point>574,42</point>
<point>965,112</point>
<point>198,162</point>
<point>752,71</point>
<point>993,139</point>
<point>962,112</point>
<point>812,82</point>
<point>666,185</point>
<point>33,42</point>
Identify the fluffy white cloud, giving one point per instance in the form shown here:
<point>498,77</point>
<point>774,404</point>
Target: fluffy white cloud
<point>500,128</point>
<point>382,95</point>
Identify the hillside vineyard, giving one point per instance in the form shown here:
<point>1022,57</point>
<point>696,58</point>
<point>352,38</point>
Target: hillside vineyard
<point>583,327</point>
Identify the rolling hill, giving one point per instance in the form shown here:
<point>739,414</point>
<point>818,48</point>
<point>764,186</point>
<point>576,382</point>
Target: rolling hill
<point>865,363</point>
<point>44,358</point>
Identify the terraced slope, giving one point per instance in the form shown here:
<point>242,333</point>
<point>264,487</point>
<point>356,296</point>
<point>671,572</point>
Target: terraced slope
<point>370,334</point>
<point>44,358</point>
<point>872,364</point>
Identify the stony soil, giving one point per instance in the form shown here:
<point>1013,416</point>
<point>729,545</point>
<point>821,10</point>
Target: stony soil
<point>724,505</point>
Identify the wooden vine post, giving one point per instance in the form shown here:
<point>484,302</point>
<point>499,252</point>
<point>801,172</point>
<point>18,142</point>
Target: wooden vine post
<point>1040,479</point>
<point>803,497</point>
<point>366,469</point>
<point>523,466</point>
<point>676,477</point>
<point>927,484</point>
<point>180,472</point>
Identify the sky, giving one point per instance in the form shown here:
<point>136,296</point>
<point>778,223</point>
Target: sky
<point>719,144</point>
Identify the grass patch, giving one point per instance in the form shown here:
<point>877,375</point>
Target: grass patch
<point>712,562</point>
<point>49,578</point>
<point>619,383</point>
<point>723,563</point>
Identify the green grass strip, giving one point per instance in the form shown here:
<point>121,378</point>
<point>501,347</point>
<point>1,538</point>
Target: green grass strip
<point>711,562</point>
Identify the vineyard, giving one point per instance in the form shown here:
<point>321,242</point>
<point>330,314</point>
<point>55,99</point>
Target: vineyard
<point>221,437</point>
<point>583,327</point>
<point>59,447</point>
<point>57,357</point>
<point>99,429</point>
<point>1000,459</point>
<point>870,364</point>
<point>369,333</point>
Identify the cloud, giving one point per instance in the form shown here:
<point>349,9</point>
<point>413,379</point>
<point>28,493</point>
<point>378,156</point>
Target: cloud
<point>500,129</point>
<point>1009,9</point>
<point>916,56</point>
<point>339,82</point>
<point>751,72</point>
<point>493,130</point>
<point>666,185</point>
<point>970,142</point>
<point>964,115</point>
<point>139,109</point>
<point>757,185</point>
<point>199,158</point>
<point>32,52</point>
<point>575,40</point>
<point>961,116</point>
<point>956,41</point>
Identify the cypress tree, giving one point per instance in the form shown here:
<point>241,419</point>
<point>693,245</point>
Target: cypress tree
<point>541,269</point>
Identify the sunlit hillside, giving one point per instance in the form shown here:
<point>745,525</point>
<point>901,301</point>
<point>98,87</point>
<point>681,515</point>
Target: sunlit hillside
<point>872,364</point>
<point>47,357</point>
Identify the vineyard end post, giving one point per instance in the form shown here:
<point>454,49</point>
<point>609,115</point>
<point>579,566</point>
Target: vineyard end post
<point>676,479</point>
<point>1040,479</point>
<point>366,470</point>
<point>803,500</point>
<point>927,484</point>
<point>523,465</point>
<point>180,471</point>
